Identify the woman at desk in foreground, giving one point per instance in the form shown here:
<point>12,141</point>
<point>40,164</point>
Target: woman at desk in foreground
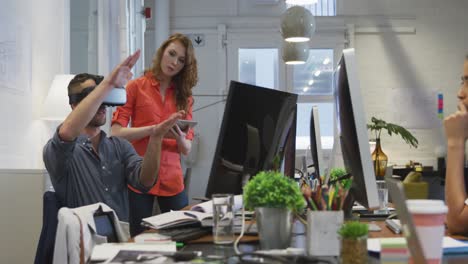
<point>456,131</point>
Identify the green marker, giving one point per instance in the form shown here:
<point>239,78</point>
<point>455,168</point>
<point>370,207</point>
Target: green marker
<point>179,244</point>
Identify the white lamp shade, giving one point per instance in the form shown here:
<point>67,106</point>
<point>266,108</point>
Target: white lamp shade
<point>295,52</point>
<point>56,105</point>
<point>297,24</point>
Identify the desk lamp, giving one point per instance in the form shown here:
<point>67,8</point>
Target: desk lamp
<point>56,107</point>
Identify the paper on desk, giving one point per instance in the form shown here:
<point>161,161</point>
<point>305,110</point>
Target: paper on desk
<point>207,207</point>
<point>450,245</point>
<point>106,251</point>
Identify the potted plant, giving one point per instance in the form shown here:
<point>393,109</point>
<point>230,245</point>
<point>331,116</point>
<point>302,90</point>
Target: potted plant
<point>378,156</point>
<point>335,176</point>
<point>353,242</point>
<point>275,198</point>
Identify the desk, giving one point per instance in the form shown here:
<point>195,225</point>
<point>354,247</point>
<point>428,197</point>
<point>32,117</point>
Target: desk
<point>208,248</point>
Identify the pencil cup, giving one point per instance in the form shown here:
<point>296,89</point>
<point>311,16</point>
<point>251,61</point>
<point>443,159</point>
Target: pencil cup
<point>429,217</point>
<point>322,237</point>
<point>223,218</point>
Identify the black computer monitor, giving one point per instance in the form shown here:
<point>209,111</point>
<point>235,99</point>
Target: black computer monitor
<point>352,131</point>
<point>316,142</point>
<point>258,127</point>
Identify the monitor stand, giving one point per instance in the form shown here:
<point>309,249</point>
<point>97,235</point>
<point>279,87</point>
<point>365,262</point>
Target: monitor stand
<point>363,215</point>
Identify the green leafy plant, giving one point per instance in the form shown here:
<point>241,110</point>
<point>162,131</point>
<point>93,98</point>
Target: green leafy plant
<point>273,189</point>
<point>335,173</point>
<point>377,125</point>
<point>353,230</point>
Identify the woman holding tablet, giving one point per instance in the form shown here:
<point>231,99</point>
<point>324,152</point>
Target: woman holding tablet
<point>163,89</point>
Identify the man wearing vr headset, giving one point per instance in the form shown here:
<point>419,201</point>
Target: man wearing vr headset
<point>86,166</point>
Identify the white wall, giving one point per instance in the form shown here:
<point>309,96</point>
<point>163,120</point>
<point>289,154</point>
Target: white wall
<point>413,66</point>
<point>21,206</point>
<point>33,48</point>
<point>37,49</point>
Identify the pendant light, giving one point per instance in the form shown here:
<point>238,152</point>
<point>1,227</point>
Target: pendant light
<point>297,24</point>
<point>295,52</point>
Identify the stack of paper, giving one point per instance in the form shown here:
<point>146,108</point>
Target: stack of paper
<point>393,250</point>
<point>450,245</point>
<point>152,238</point>
<point>175,219</point>
<point>106,251</point>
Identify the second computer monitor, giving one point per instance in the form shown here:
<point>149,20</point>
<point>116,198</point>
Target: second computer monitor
<point>316,142</point>
<point>352,130</point>
<point>257,133</point>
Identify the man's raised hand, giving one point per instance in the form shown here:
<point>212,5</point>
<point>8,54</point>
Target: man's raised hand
<point>123,72</point>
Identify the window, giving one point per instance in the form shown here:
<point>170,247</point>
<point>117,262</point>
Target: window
<point>322,8</point>
<point>259,67</point>
<point>316,75</point>
<point>303,123</point>
<point>313,81</point>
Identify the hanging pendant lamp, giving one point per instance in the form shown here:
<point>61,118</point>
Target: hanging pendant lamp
<point>297,24</point>
<point>295,52</point>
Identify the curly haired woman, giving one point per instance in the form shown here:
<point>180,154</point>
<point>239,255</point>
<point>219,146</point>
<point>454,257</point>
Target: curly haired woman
<point>164,89</point>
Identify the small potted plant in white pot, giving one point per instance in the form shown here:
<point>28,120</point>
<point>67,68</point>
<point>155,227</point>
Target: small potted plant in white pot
<point>275,198</point>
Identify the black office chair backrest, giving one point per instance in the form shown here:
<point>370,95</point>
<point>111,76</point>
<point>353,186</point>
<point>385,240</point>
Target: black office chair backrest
<point>105,225</point>
<point>45,246</point>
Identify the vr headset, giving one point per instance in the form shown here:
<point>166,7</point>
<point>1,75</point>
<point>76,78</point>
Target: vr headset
<point>116,97</point>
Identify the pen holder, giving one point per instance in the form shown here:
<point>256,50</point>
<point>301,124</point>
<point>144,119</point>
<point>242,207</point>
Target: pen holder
<point>322,237</point>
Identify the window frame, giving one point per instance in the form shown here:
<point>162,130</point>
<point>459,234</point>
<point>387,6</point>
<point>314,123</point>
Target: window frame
<point>337,45</point>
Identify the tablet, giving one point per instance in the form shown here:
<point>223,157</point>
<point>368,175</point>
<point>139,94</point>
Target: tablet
<point>185,124</point>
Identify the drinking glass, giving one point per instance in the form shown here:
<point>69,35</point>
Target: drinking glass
<point>382,192</point>
<point>223,218</point>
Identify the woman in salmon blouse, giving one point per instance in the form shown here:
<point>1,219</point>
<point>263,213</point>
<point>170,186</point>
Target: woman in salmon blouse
<point>164,89</point>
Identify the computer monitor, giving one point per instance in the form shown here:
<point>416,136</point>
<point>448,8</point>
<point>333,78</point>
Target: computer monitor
<point>316,142</point>
<point>258,130</point>
<point>352,131</point>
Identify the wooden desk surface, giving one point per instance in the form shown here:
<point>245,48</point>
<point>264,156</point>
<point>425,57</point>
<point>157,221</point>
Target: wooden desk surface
<point>385,232</point>
<point>250,244</point>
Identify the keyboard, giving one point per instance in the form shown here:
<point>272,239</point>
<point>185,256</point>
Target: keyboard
<point>183,234</point>
<point>371,214</point>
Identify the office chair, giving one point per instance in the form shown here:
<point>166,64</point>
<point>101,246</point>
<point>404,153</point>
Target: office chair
<point>187,179</point>
<point>46,243</point>
<point>79,229</point>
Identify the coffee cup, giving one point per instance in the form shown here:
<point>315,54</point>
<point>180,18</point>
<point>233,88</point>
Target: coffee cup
<point>429,217</point>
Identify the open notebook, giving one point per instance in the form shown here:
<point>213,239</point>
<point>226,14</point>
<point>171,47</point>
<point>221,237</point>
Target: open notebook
<point>207,207</point>
<point>201,213</point>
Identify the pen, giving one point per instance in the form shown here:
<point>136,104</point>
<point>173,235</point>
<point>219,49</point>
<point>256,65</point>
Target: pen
<point>191,215</point>
<point>310,203</point>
